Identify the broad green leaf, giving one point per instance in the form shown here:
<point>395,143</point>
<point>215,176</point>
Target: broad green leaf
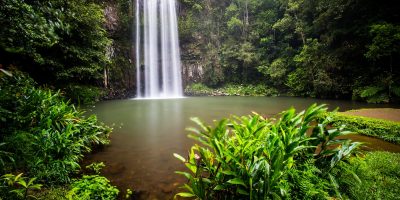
<point>219,187</point>
<point>237,181</point>
<point>185,194</point>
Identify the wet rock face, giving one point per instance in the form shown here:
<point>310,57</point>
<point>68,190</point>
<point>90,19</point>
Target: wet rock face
<point>119,74</point>
<point>111,15</point>
<point>192,72</point>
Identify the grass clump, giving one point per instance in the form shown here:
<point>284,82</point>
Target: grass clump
<point>383,129</point>
<point>379,173</point>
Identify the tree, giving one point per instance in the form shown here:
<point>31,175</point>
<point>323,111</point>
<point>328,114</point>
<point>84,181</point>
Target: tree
<point>56,41</point>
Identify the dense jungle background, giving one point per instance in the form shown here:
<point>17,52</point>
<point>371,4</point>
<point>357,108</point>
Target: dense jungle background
<point>328,49</point>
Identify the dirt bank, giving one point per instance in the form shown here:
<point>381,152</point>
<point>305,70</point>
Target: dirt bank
<point>379,113</point>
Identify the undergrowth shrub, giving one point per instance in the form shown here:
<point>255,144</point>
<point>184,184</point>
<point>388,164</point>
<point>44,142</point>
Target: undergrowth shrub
<point>46,135</point>
<point>248,90</point>
<point>92,187</point>
<point>83,94</point>
<point>199,89</point>
<point>250,157</point>
<point>17,186</point>
<point>53,193</point>
<point>377,93</point>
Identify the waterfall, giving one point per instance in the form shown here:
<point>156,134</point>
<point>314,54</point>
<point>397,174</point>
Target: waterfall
<point>138,82</point>
<point>157,46</point>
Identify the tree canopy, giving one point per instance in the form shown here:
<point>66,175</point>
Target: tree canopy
<point>56,41</point>
<point>329,49</point>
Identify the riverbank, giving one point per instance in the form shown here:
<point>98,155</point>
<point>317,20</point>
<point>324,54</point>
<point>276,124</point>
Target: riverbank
<point>199,89</point>
<point>382,123</point>
<point>390,114</point>
<point>379,174</point>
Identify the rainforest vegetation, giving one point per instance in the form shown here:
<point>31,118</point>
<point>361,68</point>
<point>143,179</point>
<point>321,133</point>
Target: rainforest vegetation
<point>57,55</point>
<point>64,47</point>
<point>250,157</point>
<point>328,49</point>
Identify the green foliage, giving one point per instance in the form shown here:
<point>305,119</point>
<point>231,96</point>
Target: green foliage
<point>61,40</point>
<point>248,90</point>
<point>46,135</point>
<point>383,129</point>
<point>382,92</point>
<point>92,187</point>
<point>5,157</point>
<point>199,89</point>
<point>83,94</point>
<point>18,186</point>
<point>385,42</point>
<point>59,193</point>
<point>277,70</point>
<point>28,28</point>
<point>251,157</point>
<point>379,176</point>
<point>311,78</point>
<point>234,24</point>
<point>307,184</point>
<point>326,49</point>
<point>128,193</point>
<point>96,167</point>
<point>382,51</point>
<point>373,94</point>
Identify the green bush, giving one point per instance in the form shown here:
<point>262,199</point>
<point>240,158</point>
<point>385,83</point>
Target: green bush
<point>17,186</point>
<point>82,94</point>
<point>383,129</point>
<point>379,173</point>
<point>45,135</point>
<point>248,90</point>
<point>251,157</point>
<point>93,187</point>
<point>96,167</point>
<point>198,89</point>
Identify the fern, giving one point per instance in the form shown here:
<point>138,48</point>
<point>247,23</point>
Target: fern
<point>396,90</point>
<point>371,91</point>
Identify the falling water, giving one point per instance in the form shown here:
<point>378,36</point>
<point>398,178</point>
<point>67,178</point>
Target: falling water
<point>159,50</point>
<point>138,82</point>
